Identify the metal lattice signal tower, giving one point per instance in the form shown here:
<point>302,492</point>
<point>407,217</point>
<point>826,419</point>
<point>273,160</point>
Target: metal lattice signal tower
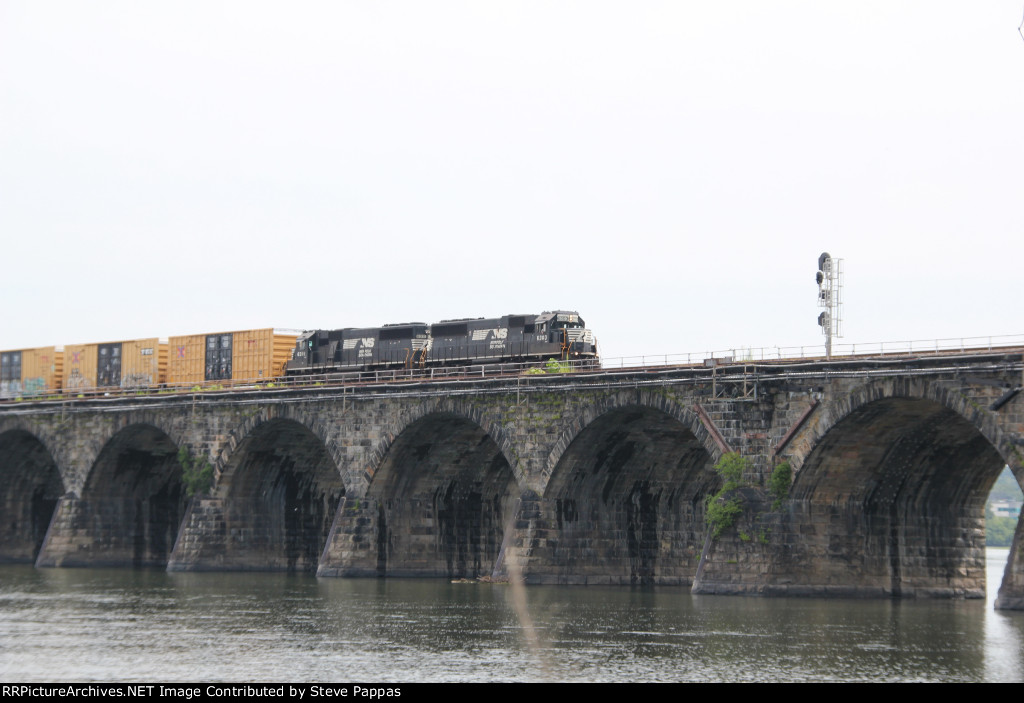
<point>830,297</point>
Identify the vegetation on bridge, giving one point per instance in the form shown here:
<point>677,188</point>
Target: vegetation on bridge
<point>196,474</point>
<point>778,484</point>
<point>724,507</point>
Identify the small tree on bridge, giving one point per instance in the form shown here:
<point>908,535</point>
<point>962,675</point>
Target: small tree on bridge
<point>724,507</point>
<point>196,474</point>
<point>778,484</point>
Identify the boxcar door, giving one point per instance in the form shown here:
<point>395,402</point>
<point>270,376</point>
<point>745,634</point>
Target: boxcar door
<point>108,365</point>
<point>10,373</point>
<point>218,357</point>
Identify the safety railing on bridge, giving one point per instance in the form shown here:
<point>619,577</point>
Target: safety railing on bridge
<point>741,355</point>
<point>734,356</point>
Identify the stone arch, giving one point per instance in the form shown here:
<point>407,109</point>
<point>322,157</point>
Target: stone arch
<point>72,450</point>
<point>440,494</point>
<point>833,412</point>
<point>313,422</point>
<point>444,406</point>
<point>627,486</point>
<point>31,486</point>
<point>277,493</point>
<point>44,433</point>
<point>79,440</point>
<point>889,492</point>
<point>640,398</point>
<point>130,508</point>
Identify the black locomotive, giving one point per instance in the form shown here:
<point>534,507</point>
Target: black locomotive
<point>561,334</point>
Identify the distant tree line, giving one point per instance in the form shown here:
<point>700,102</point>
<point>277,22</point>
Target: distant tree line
<point>999,530</point>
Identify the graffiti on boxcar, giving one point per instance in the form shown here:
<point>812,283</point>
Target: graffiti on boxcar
<point>35,385</point>
<point>137,380</point>
<point>76,380</point>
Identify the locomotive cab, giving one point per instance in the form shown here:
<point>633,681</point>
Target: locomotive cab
<point>567,331</point>
<point>305,357</point>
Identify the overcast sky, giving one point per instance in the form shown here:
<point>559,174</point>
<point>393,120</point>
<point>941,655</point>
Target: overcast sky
<point>670,169</point>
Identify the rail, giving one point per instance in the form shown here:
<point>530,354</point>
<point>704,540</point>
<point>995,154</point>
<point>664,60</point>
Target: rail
<point>816,352</point>
<point>732,363</point>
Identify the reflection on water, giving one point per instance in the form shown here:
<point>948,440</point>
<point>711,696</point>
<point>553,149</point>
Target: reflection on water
<point>107,624</point>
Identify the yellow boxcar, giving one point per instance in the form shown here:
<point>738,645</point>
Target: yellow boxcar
<point>136,363</point>
<point>79,366</point>
<point>143,363</point>
<point>248,355</point>
<point>186,358</point>
<point>29,372</point>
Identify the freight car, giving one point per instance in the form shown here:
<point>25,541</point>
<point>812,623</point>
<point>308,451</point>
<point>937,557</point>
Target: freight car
<point>178,362</point>
<point>248,355</point>
<point>30,371</point>
<point>560,334</point>
<point>137,363</point>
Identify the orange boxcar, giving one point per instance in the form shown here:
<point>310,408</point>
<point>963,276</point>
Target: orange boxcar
<point>249,355</point>
<point>29,372</point>
<point>136,363</point>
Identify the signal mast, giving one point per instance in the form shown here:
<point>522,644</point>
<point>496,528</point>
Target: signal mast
<point>830,297</point>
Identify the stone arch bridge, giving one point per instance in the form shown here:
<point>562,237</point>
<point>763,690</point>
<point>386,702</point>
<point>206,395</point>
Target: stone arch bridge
<point>587,478</point>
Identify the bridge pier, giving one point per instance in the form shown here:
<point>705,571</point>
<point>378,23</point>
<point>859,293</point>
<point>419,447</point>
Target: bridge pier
<point>806,551</point>
<point>129,510</point>
<point>202,539</point>
<point>31,489</point>
<point>888,496</point>
<point>624,502</point>
<point>437,505</point>
<point>1011,591</point>
<point>272,508</point>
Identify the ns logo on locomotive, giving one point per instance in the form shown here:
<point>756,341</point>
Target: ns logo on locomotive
<point>560,334</point>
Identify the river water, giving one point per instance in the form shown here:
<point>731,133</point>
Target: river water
<point>128,625</point>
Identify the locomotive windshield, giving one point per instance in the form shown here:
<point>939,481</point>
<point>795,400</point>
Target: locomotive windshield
<point>567,321</point>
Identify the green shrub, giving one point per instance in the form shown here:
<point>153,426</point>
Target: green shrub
<point>778,484</point>
<point>196,474</point>
<point>724,507</point>
<point>556,366</point>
